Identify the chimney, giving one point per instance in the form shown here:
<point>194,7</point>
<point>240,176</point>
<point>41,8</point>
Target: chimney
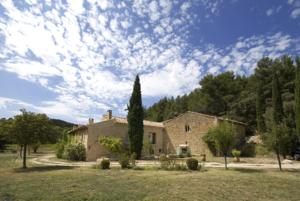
<point>91,120</point>
<point>109,113</point>
<point>107,116</point>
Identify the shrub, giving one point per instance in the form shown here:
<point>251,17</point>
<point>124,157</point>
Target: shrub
<point>75,152</point>
<point>167,163</point>
<point>180,167</point>
<point>112,144</point>
<point>132,159</point>
<point>60,147</point>
<point>192,163</point>
<point>261,150</point>
<point>124,161</point>
<point>105,163</point>
<point>236,153</point>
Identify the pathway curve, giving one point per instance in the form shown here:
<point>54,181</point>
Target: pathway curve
<point>50,160</point>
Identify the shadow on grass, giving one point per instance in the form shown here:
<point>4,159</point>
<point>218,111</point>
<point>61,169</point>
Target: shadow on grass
<point>42,169</point>
<point>290,170</point>
<point>245,170</point>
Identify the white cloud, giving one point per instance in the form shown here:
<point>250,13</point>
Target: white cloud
<point>269,12</point>
<point>93,55</point>
<point>295,13</point>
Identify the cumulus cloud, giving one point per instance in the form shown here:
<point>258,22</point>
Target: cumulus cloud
<point>295,5</point>
<point>295,13</point>
<point>91,50</point>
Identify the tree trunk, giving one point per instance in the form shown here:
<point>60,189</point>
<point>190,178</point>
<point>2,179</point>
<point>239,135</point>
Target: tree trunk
<point>21,150</point>
<point>278,159</point>
<point>225,158</point>
<point>24,156</point>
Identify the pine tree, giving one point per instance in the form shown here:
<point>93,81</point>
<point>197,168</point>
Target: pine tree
<point>297,97</point>
<point>135,119</point>
<point>260,108</point>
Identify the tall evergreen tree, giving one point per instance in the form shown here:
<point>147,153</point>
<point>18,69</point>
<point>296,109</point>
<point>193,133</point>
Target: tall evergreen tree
<point>277,101</point>
<point>135,119</point>
<point>297,97</point>
<point>277,117</point>
<point>260,108</point>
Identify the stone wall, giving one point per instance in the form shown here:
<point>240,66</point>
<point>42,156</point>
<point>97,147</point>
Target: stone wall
<point>115,129</point>
<point>176,133</point>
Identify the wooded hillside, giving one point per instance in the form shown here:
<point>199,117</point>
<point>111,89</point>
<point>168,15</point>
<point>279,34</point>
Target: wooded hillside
<point>234,96</point>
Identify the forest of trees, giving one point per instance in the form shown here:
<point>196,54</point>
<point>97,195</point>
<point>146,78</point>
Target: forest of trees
<point>236,97</point>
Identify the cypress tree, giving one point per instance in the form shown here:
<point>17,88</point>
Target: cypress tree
<point>260,108</point>
<point>135,119</point>
<point>276,101</point>
<point>297,97</point>
<point>277,116</point>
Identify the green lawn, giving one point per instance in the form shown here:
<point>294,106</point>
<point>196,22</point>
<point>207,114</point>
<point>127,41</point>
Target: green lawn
<point>60,183</point>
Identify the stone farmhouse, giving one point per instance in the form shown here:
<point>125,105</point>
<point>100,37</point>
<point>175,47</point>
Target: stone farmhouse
<point>173,136</point>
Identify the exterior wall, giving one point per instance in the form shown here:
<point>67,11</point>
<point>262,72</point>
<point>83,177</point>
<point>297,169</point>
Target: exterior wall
<point>168,138</point>
<point>158,146</point>
<point>176,134</point>
<point>110,128</point>
<point>81,136</point>
<point>240,130</point>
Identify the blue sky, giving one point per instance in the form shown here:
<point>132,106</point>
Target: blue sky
<point>75,59</point>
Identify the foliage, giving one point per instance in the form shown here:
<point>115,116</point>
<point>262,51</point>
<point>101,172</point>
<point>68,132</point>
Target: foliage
<point>297,97</point>
<point>147,148</point>
<point>35,146</point>
<point>260,108</point>
<point>60,148</point>
<point>223,137</point>
<point>105,163</point>
<point>75,152</point>
<point>5,126</point>
<point>29,128</point>
<point>124,161</point>
<point>192,163</point>
<point>236,153</point>
<point>276,137</point>
<point>113,144</point>
<point>233,96</point>
<point>132,159</point>
<point>167,162</point>
<point>135,119</point>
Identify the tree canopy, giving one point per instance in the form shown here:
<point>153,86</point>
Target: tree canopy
<point>135,119</point>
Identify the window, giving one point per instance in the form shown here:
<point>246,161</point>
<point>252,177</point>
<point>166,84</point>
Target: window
<point>152,138</point>
<point>187,128</point>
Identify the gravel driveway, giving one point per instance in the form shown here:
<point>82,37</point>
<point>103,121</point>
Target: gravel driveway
<point>51,160</point>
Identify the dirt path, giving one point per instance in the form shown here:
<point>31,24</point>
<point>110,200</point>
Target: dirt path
<point>50,160</point>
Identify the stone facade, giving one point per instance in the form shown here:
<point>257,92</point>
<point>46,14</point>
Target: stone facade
<point>185,130</point>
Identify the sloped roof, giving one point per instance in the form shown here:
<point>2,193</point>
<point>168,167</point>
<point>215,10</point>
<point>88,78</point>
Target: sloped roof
<point>79,127</point>
<point>123,120</point>
<point>206,115</point>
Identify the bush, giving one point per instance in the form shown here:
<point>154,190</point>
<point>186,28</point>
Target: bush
<point>132,159</point>
<point>192,163</point>
<point>75,152</point>
<point>60,147</point>
<point>105,163</point>
<point>167,163</point>
<point>124,161</point>
<point>261,150</point>
<point>236,153</point>
<point>180,167</point>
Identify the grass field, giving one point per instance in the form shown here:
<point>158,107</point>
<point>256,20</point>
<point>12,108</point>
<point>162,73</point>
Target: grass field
<point>62,183</point>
